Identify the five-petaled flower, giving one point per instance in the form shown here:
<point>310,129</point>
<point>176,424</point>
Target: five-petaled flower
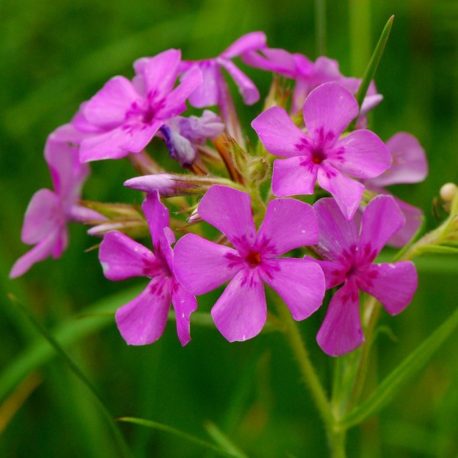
<point>319,154</point>
<point>142,321</point>
<point>349,249</point>
<point>201,265</point>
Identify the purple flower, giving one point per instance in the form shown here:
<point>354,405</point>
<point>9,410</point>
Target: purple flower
<point>349,249</point>
<point>125,115</point>
<point>47,215</point>
<point>201,265</point>
<point>211,92</point>
<point>409,166</point>
<point>142,321</point>
<point>319,154</point>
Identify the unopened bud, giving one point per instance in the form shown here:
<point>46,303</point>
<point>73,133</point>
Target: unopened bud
<point>448,192</point>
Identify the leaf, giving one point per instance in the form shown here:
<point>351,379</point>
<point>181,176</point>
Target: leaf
<point>391,385</point>
<point>176,432</point>
<point>222,440</point>
<point>443,249</point>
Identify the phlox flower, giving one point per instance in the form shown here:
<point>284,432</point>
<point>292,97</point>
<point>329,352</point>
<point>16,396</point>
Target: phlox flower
<point>319,154</point>
<point>125,115</point>
<point>49,211</point>
<point>142,321</point>
<point>349,249</point>
<point>254,259</point>
<point>409,165</point>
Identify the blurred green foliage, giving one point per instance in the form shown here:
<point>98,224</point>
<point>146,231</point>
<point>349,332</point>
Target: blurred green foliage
<point>55,54</point>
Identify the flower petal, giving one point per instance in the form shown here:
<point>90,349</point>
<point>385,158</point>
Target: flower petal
<point>142,321</point>
<point>273,60</point>
<point>184,304</point>
<point>291,177</point>
<point>414,219</point>
<point>207,94</point>
<point>229,210</point>
<point>122,258</point>
<point>248,42</point>
<point>381,219</point>
<point>392,284</point>
<point>201,265</point>
<point>300,283</point>
<point>329,108</point>
<point>241,311</point>
<point>288,224</point>
<point>365,155</point>
<point>341,331</point>
<point>246,87</point>
<point>346,192</point>
<point>157,217</point>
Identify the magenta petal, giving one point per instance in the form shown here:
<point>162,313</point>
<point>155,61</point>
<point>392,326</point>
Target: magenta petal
<point>291,178</point>
<point>278,133</point>
<point>201,265</point>
<point>246,87</point>
<point>329,107</point>
<point>288,224</point>
<point>207,94</point>
<point>229,210</point>
<point>341,331</point>
<point>121,258</point>
<point>157,216</point>
<point>241,311</point>
<point>142,321</point>
<point>381,219</point>
<point>392,284</point>
<point>365,155</point>
<point>248,42</point>
<point>272,59</point>
<point>300,283</point>
<point>184,304</point>
<point>409,161</point>
<point>334,272</point>
<point>414,219</point>
<point>346,192</point>
<point>337,234</point>
<point>107,109</point>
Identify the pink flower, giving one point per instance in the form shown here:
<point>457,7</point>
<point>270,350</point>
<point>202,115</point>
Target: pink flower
<point>211,92</point>
<point>125,115</point>
<point>201,265</point>
<point>319,154</point>
<point>349,249</point>
<point>47,215</point>
<point>142,321</point>
<point>409,166</point>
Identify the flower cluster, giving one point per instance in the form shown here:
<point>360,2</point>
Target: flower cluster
<point>313,219</point>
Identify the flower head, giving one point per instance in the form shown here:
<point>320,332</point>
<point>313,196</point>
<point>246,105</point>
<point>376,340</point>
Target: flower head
<point>142,321</point>
<point>319,154</point>
<point>254,259</point>
<point>125,115</point>
<point>47,215</point>
<point>349,249</point>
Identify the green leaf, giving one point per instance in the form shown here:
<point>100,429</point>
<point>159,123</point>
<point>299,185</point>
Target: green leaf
<point>443,249</point>
<point>222,440</point>
<point>391,385</point>
<point>176,432</point>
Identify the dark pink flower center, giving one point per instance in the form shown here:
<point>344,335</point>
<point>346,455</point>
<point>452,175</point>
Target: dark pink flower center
<point>318,155</point>
<point>253,258</point>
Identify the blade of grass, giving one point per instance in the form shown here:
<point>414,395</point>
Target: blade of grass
<point>320,27</point>
<point>222,440</point>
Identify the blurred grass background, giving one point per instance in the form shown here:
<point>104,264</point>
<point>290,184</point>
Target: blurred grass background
<point>55,54</point>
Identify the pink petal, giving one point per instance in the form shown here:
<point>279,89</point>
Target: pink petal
<point>207,94</point>
<point>200,265</point>
<point>229,210</point>
<point>85,215</point>
<point>414,219</point>
<point>142,321</point>
<point>241,311</point>
<point>288,224</point>
<point>337,234</point>
<point>381,219</point>
<point>341,331</point>
<point>369,103</point>
<point>159,73</point>
<point>157,217</point>
<point>300,283</point>
<point>346,192</point>
<point>334,272</point>
<point>43,215</point>
<point>392,284</point>
<point>248,42</point>
<point>184,305</point>
<point>409,161</point>
<point>291,178</point>
<point>246,87</point>
<point>107,109</point>
<point>330,108</point>
<point>273,60</point>
<point>122,258</point>
<point>365,155</point>
<point>278,133</point>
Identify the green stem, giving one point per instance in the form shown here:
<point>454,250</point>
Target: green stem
<point>320,26</point>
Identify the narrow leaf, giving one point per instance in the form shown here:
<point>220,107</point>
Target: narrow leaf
<point>391,385</point>
<point>222,440</point>
<point>443,249</point>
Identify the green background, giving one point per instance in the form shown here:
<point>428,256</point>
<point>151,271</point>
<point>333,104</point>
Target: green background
<point>55,54</point>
